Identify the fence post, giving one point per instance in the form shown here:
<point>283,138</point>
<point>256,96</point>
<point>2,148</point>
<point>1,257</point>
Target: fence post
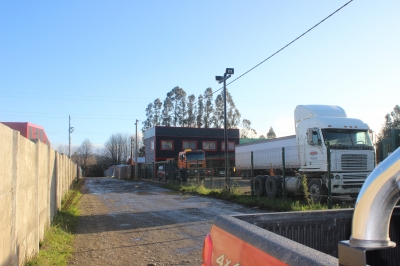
<point>251,176</point>
<point>284,175</point>
<point>211,173</point>
<point>228,172</point>
<point>197,175</point>
<point>153,171</point>
<point>328,154</point>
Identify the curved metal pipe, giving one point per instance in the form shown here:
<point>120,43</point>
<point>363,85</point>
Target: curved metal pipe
<point>375,203</point>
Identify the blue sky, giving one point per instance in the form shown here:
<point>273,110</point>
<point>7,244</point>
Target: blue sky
<point>103,62</point>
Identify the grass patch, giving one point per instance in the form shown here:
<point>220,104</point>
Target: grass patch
<point>264,203</point>
<point>56,248</point>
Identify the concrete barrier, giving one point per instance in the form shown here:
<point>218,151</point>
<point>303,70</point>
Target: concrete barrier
<point>34,179</point>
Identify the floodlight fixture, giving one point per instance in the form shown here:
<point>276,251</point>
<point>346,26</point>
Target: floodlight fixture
<point>230,71</point>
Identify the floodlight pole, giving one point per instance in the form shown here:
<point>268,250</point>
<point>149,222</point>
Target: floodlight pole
<point>227,181</point>
<point>220,79</point>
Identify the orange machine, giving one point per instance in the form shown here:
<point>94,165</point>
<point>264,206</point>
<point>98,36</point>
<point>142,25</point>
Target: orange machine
<point>192,162</point>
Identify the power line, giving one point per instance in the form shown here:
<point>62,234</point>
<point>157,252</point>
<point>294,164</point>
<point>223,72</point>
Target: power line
<point>251,69</point>
<point>73,99</point>
<point>88,96</point>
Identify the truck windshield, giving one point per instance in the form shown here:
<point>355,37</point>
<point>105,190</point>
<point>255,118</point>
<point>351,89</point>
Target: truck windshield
<point>347,139</point>
<point>194,156</point>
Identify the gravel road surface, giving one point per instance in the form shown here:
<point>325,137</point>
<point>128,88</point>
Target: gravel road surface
<point>142,223</point>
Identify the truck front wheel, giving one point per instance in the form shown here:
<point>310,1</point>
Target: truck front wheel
<point>316,191</point>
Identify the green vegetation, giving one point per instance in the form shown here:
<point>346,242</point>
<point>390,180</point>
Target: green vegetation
<point>56,248</point>
<point>263,203</point>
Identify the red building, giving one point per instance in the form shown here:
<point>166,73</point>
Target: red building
<point>162,142</point>
<point>29,131</point>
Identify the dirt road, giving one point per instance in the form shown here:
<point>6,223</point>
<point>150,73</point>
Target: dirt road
<point>141,223</point>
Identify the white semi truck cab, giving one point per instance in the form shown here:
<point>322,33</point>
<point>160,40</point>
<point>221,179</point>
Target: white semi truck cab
<point>352,152</point>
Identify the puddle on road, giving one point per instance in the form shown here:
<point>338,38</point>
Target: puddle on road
<point>143,193</point>
<point>172,192</point>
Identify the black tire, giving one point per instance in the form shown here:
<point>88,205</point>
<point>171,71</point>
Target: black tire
<point>259,185</point>
<point>273,186</point>
<point>316,191</point>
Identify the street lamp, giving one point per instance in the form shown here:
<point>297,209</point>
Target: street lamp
<point>220,79</point>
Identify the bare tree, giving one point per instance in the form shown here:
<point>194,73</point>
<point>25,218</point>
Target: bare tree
<point>85,155</point>
<point>117,148</point>
<point>62,149</point>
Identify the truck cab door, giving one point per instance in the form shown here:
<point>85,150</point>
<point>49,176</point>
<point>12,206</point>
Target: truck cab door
<point>313,156</point>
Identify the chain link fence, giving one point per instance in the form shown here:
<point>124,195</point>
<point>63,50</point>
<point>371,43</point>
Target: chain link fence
<point>275,172</point>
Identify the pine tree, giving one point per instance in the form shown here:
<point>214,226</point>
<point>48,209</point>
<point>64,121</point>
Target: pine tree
<point>271,134</point>
<point>166,116</point>
<point>157,105</point>
<point>191,114</point>
<point>208,107</point>
<point>200,110</point>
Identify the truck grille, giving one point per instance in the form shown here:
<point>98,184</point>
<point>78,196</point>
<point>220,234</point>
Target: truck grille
<point>354,161</point>
<point>354,180</point>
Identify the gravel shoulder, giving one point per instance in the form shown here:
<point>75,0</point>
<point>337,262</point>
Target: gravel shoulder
<point>141,223</point>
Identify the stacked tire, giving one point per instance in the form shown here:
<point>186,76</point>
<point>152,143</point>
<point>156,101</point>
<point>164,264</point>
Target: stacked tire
<point>259,185</point>
<point>273,186</point>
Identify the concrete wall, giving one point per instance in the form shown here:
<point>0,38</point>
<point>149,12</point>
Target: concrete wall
<point>34,179</point>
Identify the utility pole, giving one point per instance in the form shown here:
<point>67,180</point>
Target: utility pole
<point>131,150</point>
<point>70,130</point>
<point>136,154</point>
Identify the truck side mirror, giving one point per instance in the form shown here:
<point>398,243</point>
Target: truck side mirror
<point>310,136</point>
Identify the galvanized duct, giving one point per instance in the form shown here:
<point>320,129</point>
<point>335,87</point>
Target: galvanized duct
<point>374,205</point>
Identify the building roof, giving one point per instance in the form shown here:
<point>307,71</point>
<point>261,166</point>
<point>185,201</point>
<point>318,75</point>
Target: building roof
<point>189,131</point>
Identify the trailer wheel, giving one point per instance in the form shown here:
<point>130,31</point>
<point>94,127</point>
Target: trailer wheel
<point>259,185</point>
<point>315,189</point>
<point>273,186</point>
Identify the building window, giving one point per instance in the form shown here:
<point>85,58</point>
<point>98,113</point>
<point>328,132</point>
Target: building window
<point>186,144</point>
<point>152,145</point>
<point>231,146</point>
<point>167,145</point>
<point>209,145</point>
